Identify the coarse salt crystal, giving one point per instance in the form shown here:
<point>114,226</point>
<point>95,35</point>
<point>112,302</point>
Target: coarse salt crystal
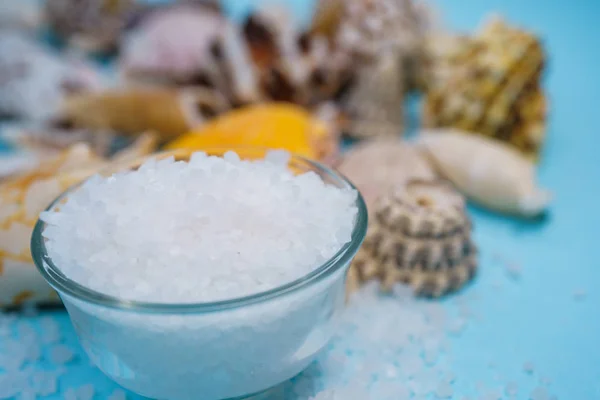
<point>241,227</point>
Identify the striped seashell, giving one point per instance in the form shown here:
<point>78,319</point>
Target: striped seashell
<point>421,236</point>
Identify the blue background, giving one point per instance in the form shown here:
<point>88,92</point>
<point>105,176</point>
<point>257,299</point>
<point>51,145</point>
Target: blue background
<point>537,317</point>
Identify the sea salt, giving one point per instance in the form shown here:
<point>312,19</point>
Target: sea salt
<point>205,230</point>
<point>61,354</point>
<point>117,394</point>
<point>211,229</point>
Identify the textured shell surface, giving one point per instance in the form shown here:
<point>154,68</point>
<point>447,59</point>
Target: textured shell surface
<point>489,84</point>
<point>486,170</point>
<point>420,235</point>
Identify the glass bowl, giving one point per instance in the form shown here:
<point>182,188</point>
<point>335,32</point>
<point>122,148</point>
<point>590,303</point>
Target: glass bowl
<point>229,349</point>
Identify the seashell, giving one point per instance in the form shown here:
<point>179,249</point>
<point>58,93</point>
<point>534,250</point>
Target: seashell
<point>172,44</point>
<point>327,17</point>
<point>34,81</point>
<point>378,165</point>
<point>269,58</point>
<point>374,106</point>
<point>372,28</point>
<point>489,172</point>
<point>166,111</point>
<point>262,125</point>
<point>33,145</point>
<point>419,235</point>
<point>23,197</point>
<point>489,84</point>
<point>90,25</point>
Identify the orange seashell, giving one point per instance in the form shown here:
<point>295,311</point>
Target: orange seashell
<point>272,125</point>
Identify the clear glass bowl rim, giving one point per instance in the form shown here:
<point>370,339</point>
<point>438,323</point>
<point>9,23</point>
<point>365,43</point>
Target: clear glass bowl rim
<point>64,285</point>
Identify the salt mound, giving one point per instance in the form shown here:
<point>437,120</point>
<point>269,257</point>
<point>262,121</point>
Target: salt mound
<point>209,229</point>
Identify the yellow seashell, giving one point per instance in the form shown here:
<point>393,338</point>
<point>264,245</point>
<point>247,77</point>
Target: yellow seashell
<point>272,125</point>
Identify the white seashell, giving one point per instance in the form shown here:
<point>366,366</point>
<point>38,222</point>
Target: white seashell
<point>485,170</point>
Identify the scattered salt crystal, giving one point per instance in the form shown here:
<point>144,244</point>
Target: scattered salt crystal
<point>61,354</point>
<point>117,394</point>
<point>450,377</point>
<point>511,388</point>
<point>12,383</point>
<point>539,393</point>
<point>44,383</point>
<point>544,380</point>
<point>430,357</point>
<point>444,390</point>
<point>27,394</point>
<point>579,294</point>
<point>50,331</point>
<point>70,394</point>
<point>528,367</point>
<point>513,271</point>
<point>86,392</point>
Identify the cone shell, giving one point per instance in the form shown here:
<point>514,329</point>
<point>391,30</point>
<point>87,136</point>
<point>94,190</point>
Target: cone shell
<point>421,236</point>
<point>489,172</point>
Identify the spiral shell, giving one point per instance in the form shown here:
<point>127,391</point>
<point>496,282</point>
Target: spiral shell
<point>420,235</point>
<point>490,84</point>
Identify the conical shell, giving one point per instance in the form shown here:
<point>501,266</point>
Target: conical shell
<point>420,236</point>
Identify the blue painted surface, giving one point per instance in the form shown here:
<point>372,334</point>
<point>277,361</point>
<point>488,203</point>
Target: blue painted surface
<point>536,318</point>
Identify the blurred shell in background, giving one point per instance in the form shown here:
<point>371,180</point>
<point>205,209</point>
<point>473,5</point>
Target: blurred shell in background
<point>419,235</point>
<point>167,111</point>
<point>273,125</point>
<point>378,165</point>
<point>490,84</point>
<point>385,41</point>
<point>23,197</point>
<point>34,80</point>
<point>489,172</point>
<point>90,25</point>
<point>372,28</point>
<point>374,106</point>
<point>172,43</point>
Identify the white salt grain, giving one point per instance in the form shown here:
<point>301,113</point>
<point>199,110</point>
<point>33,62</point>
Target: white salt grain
<point>211,229</point>
<point>117,394</point>
<point>539,393</point>
<point>61,354</point>
<point>86,392</point>
<point>528,367</point>
<point>444,390</point>
<point>511,389</point>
